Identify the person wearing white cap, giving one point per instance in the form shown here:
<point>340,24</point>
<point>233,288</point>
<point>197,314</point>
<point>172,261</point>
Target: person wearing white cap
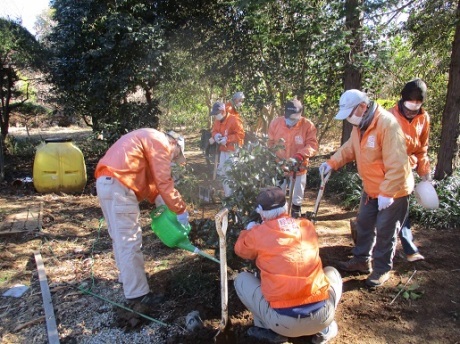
<point>137,167</point>
<point>377,145</point>
<point>232,108</point>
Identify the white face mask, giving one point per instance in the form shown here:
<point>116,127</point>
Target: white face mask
<point>238,105</point>
<point>219,117</point>
<point>354,120</point>
<point>413,106</point>
<point>291,122</point>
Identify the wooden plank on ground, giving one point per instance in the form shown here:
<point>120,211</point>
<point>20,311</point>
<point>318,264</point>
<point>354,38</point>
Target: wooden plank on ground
<point>26,220</point>
<point>51,327</point>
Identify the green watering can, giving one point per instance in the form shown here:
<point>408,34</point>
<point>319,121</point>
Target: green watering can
<point>172,233</point>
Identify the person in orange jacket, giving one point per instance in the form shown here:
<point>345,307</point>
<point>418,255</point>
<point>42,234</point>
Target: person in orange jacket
<point>294,296</point>
<point>227,132</point>
<point>415,123</point>
<point>137,167</point>
<point>232,108</point>
<point>378,146</point>
<point>297,137</point>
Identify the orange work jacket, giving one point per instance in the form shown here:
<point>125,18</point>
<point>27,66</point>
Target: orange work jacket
<point>301,138</point>
<point>232,128</point>
<point>141,160</point>
<point>417,132</point>
<point>286,251</point>
<point>380,155</point>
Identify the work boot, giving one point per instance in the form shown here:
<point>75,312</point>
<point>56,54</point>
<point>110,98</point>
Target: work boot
<point>327,334</point>
<point>296,211</point>
<point>377,279</point>
<point>355,265</point>
<point>266,335</point>
<point>149,299</point>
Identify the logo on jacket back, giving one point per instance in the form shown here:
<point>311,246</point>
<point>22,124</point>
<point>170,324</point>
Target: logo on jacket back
<point>298,140</point>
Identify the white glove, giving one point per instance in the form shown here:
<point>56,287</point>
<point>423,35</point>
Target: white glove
<point>223,141</point>
<point>217,137</point>
<point>426,178</point>
<point>251,224</point>
<point>324,168</point>
<point>183,218</point>
<point>385,202</point>
<point>211,141</point>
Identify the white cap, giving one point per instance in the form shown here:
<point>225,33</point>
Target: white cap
<point>348,101</point>
<point>180,141</point>
<point>238,95</point>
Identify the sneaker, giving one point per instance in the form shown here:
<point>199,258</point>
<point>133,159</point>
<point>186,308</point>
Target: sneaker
<point>149,299</point>
<point>327,334</point>
<point>377,279</point>
<point>354,264</point>
<point>266,334</point>
<point>414,257</point>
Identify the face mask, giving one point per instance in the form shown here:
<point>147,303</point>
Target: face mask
<point>290,122</point>
<point>238,105</point>
<point>413,106</point>
<point>219,117</point>
<point>354,120</point>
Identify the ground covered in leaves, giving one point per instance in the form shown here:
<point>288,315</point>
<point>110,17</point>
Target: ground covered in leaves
<point>419,304</point>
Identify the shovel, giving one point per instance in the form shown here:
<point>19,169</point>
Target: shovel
<point>221,227</point>
<point>324,178</point>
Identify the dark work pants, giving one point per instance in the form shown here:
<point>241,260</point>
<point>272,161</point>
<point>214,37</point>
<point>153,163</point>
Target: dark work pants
<point>377,231</point>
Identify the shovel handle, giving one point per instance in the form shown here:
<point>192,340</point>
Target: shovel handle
<point>221,227</point>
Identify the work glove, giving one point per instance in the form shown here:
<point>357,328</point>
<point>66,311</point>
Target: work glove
<point>183,218</point>
<point>298,159</point>
<point>211,141</point>
<point>255,217</point>
<point>223,141</point>
<point>426,178</point>
<point>251,224</point>
<point>217,137</point>
<point>384,202</point>
<point>324,168</point>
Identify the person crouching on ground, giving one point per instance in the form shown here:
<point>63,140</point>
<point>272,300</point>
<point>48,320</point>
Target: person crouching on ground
<point>294,296</point>
<point>135,168</point>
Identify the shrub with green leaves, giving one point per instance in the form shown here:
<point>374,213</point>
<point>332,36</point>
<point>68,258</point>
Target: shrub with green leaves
<point>255,167</point>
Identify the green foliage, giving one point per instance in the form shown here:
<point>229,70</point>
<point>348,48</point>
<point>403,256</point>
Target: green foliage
<point>255,168</point>
<point>104,55</point>
<point>186,182</point>
<point>410,292</point>
<point>448,213</point>
<point>20,147</point>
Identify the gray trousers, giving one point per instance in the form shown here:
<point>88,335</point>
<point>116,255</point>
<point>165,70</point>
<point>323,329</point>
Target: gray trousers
<point>377,231</point>
<point>249,291</point>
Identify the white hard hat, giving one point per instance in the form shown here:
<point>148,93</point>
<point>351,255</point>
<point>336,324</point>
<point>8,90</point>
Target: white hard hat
<point>426,195</point>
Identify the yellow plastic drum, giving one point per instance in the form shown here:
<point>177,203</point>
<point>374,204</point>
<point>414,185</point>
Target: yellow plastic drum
<point>59,166</point>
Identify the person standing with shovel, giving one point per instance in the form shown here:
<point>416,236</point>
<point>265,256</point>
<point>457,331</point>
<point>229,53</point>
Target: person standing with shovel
<point>294,296</point>
<point>294,137</point>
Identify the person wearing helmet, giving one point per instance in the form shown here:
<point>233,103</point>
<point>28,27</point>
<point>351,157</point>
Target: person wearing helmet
<point>227,132</point>
<point>415,123</point>
<point>232,108</point>
<point>377,144</point>
<point>297,137</point>
<point>137,167</point>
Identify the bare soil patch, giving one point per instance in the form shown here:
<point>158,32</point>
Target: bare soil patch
<point>77,254</point>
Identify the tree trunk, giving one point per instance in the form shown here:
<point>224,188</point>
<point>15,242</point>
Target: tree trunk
<point>448,155</point>
<point>352,76</point>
